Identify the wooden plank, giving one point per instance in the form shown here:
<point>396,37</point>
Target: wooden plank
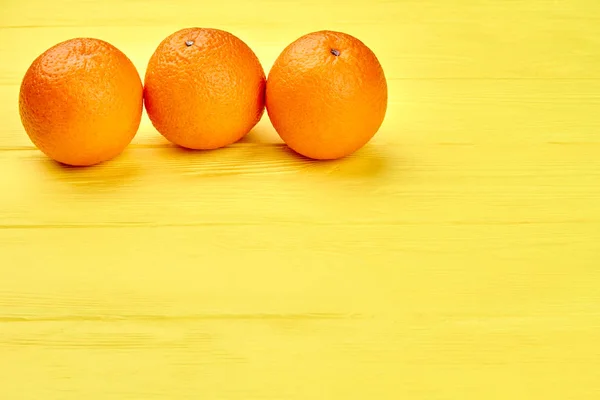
<point>507,112</point>
<point>252,184</point>
<point>271,311</point>
<point>414,39</point>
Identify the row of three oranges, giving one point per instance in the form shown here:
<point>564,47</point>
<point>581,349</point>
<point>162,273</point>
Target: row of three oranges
<point>81,101</point>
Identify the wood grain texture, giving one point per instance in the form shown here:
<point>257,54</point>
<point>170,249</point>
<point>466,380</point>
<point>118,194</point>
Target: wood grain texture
<point>456,256</point>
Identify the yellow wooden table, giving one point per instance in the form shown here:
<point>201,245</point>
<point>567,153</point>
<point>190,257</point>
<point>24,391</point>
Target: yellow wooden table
<point>457,256</point>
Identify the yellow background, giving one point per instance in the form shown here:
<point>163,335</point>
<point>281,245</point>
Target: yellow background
<point>457,256</point>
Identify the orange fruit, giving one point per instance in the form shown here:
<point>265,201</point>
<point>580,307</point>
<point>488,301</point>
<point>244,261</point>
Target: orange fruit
<point>326,95</point>
<point>204,88</point>
<point>81,101</point>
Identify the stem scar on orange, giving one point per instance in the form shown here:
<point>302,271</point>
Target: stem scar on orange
<point>80,101</point>
<point>204,88</point>
<point>326,95</point>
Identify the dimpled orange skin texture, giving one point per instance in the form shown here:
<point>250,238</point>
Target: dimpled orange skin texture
<point>326,95</point>
<point>204,88</point>
<point>81,101</point>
